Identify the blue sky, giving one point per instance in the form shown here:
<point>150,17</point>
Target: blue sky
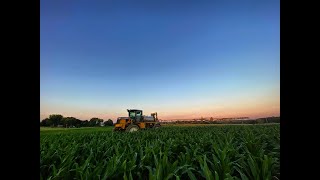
<point>181,58</point>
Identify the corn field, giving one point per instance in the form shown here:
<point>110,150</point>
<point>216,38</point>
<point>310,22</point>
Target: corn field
<point>201,152</point>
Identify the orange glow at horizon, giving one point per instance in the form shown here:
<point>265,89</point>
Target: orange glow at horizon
<point>253,110</point>
<point>252,105</point>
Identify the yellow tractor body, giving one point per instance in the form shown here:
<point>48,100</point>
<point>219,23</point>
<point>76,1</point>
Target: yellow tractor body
<point>136,121</point>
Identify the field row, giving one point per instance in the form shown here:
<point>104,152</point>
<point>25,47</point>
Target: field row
<point>203,152</point>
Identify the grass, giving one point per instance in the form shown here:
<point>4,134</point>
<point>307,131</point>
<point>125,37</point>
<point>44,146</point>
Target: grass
<point>170,152</point>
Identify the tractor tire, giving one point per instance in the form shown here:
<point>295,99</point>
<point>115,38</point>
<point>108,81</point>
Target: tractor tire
<point>132,128</point>
<point>156,126</point>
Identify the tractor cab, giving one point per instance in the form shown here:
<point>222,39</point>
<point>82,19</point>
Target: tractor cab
<point>135,115</point>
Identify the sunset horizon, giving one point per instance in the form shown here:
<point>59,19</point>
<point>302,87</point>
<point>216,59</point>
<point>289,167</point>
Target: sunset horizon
<point>182,60</point>
<point>105,117</point>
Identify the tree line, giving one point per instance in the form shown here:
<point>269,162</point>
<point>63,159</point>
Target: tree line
<point>57,120</point>
<point>227,121</point>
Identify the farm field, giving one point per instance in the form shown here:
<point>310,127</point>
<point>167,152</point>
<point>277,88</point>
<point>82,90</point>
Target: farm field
<point>170,152</point>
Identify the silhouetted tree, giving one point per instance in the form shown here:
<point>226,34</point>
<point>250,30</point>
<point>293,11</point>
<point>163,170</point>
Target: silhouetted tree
<point>108,123</point>
<point>95,121</point>
<point>85,123</point>
<point>44,122</point>
<point>71,121</point>
<point>56,119</point>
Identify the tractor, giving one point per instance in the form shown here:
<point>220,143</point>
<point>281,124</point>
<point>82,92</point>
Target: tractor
<point>136,121</point>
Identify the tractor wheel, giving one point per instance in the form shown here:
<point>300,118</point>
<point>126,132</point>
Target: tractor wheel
<point>132,128</point>
<point>156,126</point>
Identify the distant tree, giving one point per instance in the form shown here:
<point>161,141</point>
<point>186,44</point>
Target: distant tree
<point>274,120</point>
<point>260,120</point>
<point>78,123</point>
<point>44,122</point>
<point>56,119</point>
<point>95,121</point>
<point>70,121</point>
<point>108,123</point>
<point>85,123</point>
<point>64,122</point>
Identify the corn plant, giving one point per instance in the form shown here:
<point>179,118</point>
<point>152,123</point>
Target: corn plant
<point>203,152</point>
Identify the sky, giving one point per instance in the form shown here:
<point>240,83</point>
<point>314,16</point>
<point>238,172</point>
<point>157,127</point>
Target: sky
<point>182,59</point>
